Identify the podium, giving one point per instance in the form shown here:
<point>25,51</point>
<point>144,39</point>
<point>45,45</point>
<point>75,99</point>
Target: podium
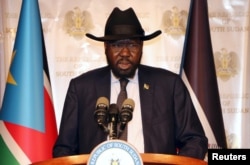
<point>147,158</point>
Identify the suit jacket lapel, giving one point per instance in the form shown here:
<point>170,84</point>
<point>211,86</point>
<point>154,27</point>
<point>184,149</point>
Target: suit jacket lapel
<point>103,85</point>
<point>146,89</point>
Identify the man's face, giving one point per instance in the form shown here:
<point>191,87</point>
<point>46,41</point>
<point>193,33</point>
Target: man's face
<point>124,56</point>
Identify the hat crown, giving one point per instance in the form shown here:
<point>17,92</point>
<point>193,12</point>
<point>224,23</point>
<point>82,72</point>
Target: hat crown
<point>123,23</point>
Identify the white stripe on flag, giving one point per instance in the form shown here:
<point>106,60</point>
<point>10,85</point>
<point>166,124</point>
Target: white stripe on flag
<point>206,126</point>
<point>47,85</point>
<point>13,146</point>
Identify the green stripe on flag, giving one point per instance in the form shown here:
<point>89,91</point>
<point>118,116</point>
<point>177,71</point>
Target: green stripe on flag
<point>7,158</point>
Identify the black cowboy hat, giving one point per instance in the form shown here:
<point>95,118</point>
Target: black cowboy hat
<point>123,25</point>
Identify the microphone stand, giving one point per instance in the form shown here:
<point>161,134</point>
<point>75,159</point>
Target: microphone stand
<point>113,119</point>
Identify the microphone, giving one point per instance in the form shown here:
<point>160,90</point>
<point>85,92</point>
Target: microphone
<point>126,113</point>
<point>101,113</point>
<point>113,120</point>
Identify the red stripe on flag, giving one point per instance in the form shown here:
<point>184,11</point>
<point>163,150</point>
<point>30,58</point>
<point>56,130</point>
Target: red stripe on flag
<point>36,145</point>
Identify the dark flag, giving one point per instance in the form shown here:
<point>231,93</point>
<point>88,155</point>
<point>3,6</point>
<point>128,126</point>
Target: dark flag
<point>198,72</point>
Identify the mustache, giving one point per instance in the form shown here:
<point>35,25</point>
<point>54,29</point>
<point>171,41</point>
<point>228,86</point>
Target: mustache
<point>124,59</point>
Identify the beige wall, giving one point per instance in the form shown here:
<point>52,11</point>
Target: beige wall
<point>70,53</point>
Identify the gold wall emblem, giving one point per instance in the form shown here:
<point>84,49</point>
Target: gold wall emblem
<point>77,23</point>
<point>226,64</point>
<point>174,21</point>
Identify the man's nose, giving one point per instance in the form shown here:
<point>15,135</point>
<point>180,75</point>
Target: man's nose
<point>125,51</point>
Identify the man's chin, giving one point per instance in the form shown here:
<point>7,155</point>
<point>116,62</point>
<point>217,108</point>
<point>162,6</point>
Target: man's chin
<point>125,73</point>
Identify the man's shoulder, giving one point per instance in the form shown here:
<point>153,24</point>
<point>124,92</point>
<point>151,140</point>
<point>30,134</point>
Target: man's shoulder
<point>159,75</point>
<point>156,70</point>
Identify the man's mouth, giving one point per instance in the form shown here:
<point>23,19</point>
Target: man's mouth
<point>124,64</point>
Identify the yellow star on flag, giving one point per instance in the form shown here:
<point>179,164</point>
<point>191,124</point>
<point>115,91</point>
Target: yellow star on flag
<point>10,78</point>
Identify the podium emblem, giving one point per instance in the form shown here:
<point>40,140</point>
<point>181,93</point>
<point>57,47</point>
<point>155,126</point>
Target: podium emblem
<point>115,152</point>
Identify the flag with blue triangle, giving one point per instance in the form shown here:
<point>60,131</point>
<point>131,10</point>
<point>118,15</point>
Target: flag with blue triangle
<point>27,119</point>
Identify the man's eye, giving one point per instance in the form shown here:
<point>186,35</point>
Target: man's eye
<point>117,45</point>
<point>133,45</point>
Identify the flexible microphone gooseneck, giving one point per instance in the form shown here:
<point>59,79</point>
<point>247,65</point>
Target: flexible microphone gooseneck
<point>113,120</point>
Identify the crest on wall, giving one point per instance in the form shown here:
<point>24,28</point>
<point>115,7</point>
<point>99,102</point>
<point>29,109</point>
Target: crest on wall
<point>226,64</point>
<point>77,23</point>
<point>174,21</point>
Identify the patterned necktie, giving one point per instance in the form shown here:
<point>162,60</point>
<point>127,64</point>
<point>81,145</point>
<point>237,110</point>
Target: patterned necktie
<point>120,99</point>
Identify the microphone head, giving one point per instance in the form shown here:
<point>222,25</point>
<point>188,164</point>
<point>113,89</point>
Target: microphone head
<point>102,101</point>
<point>128,103</point>
<point>113,113</point>
<point>126,113</point>
<point>113,109</point>
<point>101,111</point>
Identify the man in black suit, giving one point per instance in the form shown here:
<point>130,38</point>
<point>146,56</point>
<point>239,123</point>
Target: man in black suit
<point>164,118</point>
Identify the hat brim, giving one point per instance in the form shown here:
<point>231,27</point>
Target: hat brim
<point>121,37</point>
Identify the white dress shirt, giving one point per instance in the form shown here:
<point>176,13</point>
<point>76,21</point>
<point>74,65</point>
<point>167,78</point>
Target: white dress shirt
<point>135,132</point>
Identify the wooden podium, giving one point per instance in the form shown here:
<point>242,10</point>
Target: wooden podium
<point>147,158</point>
